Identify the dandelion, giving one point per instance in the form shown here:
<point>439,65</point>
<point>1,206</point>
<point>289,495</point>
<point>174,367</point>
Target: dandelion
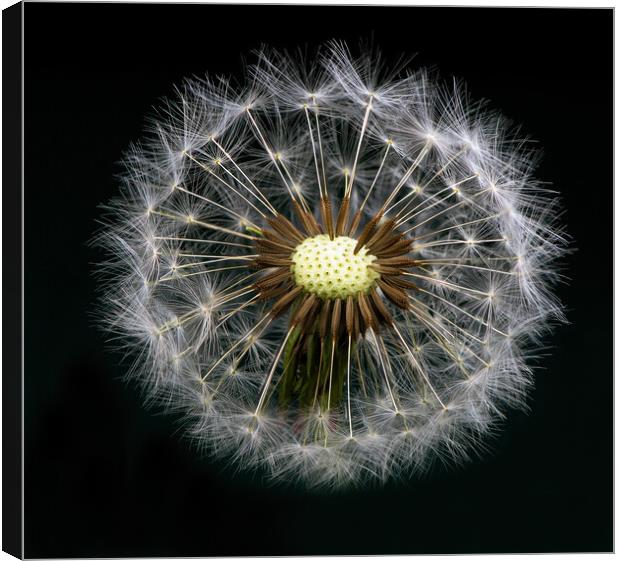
<point>336,272</point>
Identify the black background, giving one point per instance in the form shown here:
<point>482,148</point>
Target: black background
<point>105,477</point>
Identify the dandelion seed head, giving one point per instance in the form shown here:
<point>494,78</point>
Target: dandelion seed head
<point>338,273</point>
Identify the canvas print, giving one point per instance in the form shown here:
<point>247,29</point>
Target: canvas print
<point>309,280</point>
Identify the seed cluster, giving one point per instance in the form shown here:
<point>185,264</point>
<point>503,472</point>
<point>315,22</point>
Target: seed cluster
<point>331,269</point>
<point>347,307</point>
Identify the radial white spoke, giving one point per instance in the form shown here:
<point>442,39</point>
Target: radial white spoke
<point>237,310</point>
<point>452,286</point>
<point>359,146</point>
<point>247,335</point>
<point>275,160</point>
<point>227,293</point>
<point>224,182</point>
<point>190,220</point>
<point>426,318</point>
<point>206,271</point>
<point>372,186</point>
<point>447,342</point>
<point>243,279</point>
<point>200,240</point>
<point>413,193</point>
<point>452,304</point>
<point>412,213</point>
<point>464,266</point>
<point>469,223</point>
<point>183,353</point>
<point>449,338</point>
<point>384,370</point>
<point>204,255</point>
<point>349,387</point>
<point>318,375</point>
<point>177,322</point>
<point>234,297</point>
<point>443,243</point>
<point>331,373</point>
<point>295,186</point>
<point>440,260</point>
<point>416,364</point>
<point>258,191</point>
<point>217,259</point>
<point>489,322</point>
<point>444,318</point>
<point>409,216</point>
<point>456,205</point>
<point>425,185</point>
<point>423,152</point>
<point>360,371</point>
<point>273,369</point>
<point>314,155</point>
<point>318,135</point>
<point>266,204</point>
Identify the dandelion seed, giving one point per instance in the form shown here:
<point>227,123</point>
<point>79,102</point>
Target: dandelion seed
<point>345,278</point>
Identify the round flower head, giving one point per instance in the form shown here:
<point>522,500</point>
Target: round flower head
<point>336,272</point>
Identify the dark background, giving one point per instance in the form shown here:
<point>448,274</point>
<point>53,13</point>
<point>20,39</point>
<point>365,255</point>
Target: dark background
<point>105,477</point>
